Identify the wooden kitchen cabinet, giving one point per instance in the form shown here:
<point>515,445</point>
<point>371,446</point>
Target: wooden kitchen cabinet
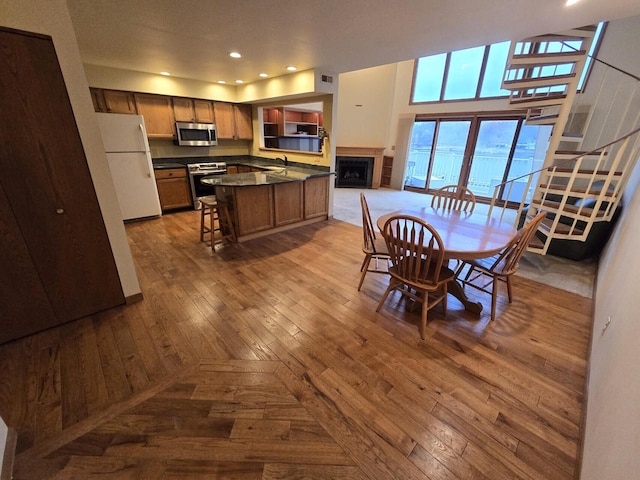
<point>243,120</point>
<point>157,111</point>
<point>288,203</point>
<point>233,121</point>
<point>119,102</point>
<point>192,110</point>
<point>173,188</point>
<point>316,197</point>
<point>253,209</point>
<point>204,111</point>
<point>183,109</point>
<point>97,97</point>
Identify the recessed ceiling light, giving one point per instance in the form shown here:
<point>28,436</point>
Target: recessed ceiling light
<point>291,68</point>
<point>571,2</point>
<point>235,55</point>
<point>239,81</point>
<point>166,74</point>
<point>221,81</point>
<point>263,75</point>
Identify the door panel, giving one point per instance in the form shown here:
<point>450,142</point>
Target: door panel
<point>449,154</point>
<point>493,148</point>
<point>19,280</point>
<point>475,152</point>
<point>49,190</point>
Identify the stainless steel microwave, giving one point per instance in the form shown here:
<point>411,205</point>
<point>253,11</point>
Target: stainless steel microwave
<point>196,134</point>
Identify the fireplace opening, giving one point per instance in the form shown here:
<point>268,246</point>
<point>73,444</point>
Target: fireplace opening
<point>354,172</point>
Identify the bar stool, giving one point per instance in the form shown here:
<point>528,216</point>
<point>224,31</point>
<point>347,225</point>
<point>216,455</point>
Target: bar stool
<point>219,221</point>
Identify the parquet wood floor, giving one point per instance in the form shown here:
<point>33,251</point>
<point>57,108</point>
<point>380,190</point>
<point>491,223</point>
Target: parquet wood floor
<point>263,361</point>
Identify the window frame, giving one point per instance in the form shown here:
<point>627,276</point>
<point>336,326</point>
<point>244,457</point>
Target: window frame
<point>481,76</point>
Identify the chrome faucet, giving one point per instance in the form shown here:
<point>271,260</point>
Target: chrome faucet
<point>283,160</point>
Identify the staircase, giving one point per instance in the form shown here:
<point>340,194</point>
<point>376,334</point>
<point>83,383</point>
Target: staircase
<point>577,187</point>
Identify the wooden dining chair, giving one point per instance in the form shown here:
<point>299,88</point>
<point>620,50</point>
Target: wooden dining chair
<point>374,247</point>
<point>417,264</point>
<point>454,197</point>
<point>485,273</point>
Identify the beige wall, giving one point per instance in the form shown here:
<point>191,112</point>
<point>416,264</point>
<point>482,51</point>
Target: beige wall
<point>364,105</point>
<point>129,80</point>
<point>612,434</point>
<point>51,17</point>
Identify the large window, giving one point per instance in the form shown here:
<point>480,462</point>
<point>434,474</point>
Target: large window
<point>479,152</point>
<point>464,74</point>
<point>476,73</point>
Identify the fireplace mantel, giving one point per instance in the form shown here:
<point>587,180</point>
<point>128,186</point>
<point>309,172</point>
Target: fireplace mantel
<point>375,153</point>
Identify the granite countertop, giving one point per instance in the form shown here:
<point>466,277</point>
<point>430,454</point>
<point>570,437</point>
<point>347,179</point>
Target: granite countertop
<point>163,165</point>
<point>269,177</point>
<point>249,160</point>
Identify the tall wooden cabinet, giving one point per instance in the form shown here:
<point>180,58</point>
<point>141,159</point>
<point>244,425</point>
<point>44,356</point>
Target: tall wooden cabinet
<point>233,121</point>
<point>56,262</point>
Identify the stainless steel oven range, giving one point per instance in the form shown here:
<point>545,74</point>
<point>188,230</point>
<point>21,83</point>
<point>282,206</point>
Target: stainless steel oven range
<point>199,170</point>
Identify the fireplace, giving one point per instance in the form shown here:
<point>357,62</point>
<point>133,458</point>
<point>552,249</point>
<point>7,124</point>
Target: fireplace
<point>354,172</point>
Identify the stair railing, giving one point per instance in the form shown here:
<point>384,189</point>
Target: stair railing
<point>626,148</point>
<point>615,108</point>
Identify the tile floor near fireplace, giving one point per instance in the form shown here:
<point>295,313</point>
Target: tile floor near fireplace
<point>354,172</point>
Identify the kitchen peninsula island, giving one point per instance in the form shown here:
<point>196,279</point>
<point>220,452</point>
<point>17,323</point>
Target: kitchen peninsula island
<point>271,199</point>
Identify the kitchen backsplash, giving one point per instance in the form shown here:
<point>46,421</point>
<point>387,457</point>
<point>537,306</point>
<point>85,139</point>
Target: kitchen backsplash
<point>167,149</point>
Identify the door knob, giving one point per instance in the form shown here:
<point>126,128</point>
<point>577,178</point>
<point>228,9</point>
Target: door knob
<point>59,211</point>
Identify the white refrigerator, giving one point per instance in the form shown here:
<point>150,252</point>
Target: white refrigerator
<point>125,141</point>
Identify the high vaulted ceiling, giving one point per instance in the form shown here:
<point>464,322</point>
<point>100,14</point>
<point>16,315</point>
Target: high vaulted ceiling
<point>193,38</point>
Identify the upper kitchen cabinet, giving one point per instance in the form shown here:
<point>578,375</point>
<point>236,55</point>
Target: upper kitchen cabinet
<point>183,109</point>
<point>192,110</point>
<point>157,111</point>
<point>113,101</point>
<point>233,121</point>
<point>98,100</point>
<point>204,111</point>
<point>116,101</point>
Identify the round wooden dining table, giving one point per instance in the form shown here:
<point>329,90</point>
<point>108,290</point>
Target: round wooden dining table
<point>464,236</point>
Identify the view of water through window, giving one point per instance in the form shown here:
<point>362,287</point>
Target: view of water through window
<point>503,150</point>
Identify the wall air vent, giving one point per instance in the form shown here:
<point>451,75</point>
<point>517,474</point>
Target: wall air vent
<point>327,78</point>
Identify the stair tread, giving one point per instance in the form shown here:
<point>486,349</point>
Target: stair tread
<point>572,209</point>
<point>541,118</point>
<point>544,81</point>
<point>550,54</point>
<point>561,228</point>
<point>602,173</point>
<point>563,188</point>
<point>578,152</point>
<point>539,99</point>
<point>572,135</point>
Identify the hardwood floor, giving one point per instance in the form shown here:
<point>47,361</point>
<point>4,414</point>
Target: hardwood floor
<point>263,361</point>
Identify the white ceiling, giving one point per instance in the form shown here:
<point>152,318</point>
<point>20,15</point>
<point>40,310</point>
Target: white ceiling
<point>193,38</point>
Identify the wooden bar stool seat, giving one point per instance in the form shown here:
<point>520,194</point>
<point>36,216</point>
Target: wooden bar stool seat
<point>219,227</point>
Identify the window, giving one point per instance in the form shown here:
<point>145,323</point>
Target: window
<point>479,152</point>
<point>464,73</point>
<point>471,73</point>
<point>430,72</point>
<point>476,73</point>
